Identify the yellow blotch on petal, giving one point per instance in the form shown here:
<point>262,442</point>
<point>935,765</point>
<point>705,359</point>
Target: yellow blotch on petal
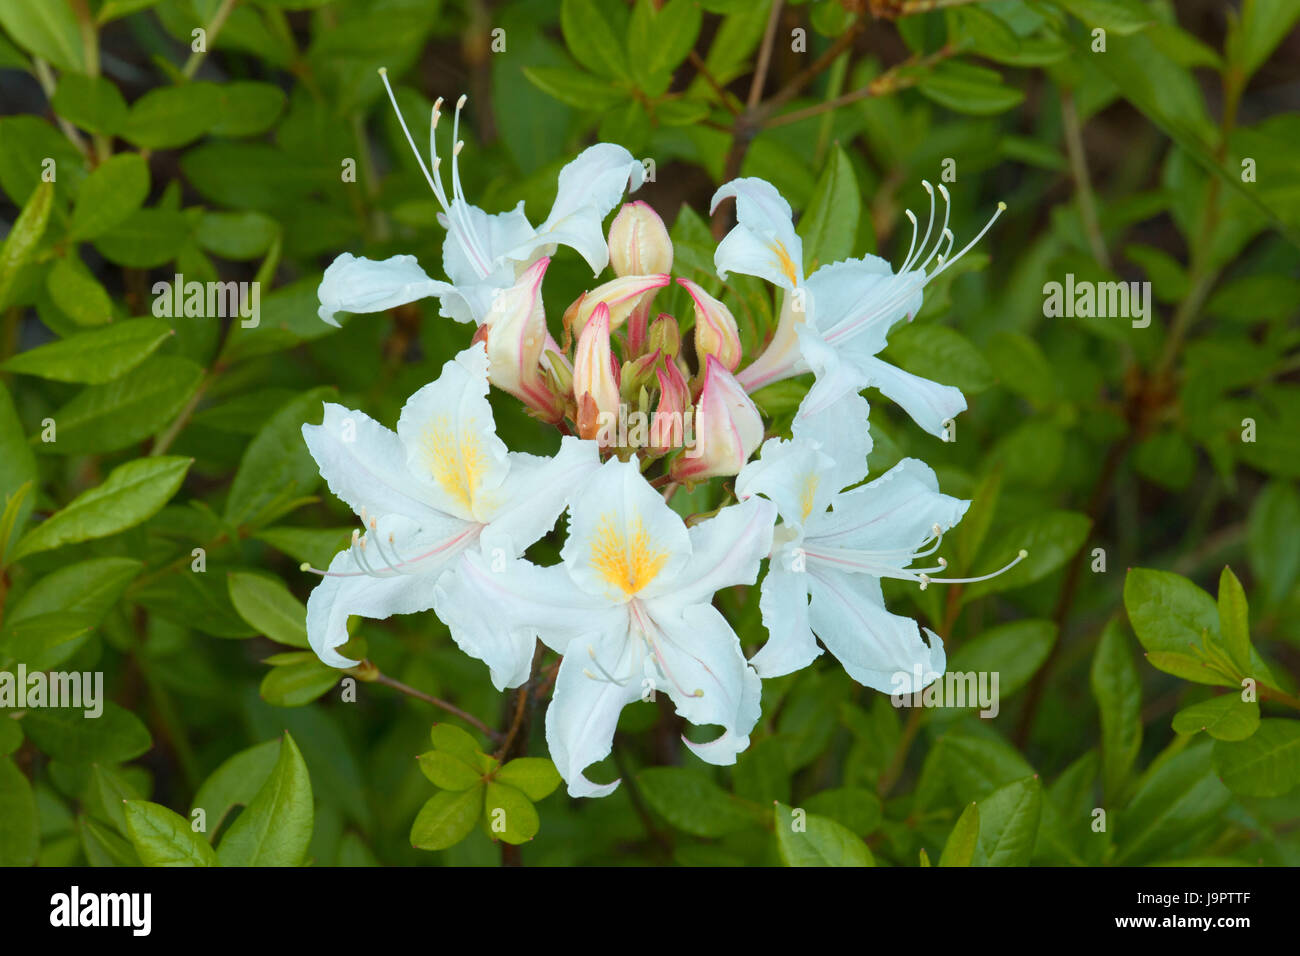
<point>787,264</point>
<point>623,554</point>
<point>809,492</point>
<point>457,460</point>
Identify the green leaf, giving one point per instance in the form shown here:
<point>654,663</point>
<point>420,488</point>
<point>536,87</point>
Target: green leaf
<point>446,818</point>
<point>126,410</point>
<point>574,87</point>
<point>93,358</point>
<point>298,681</point>
<point>1178,798</point>
<point>104,847</point>
<point>1118,690</point>
<point>24,237</point>
<point>1119,18</point>
<point>107,794</point>
<point>1226,717</point>
<point>91,102</point>
<point>592,37</point>
<point>146,239</point>
<point>535,776</point>
<point>235,783</point>
<point>447,771</point>
<point>131,493</point>
<point>11,735</point>
<point>457,742</point>
<point>246,108</point>
<point>45,28</point>
<point>266,604</point>
<point>693,803</point>
<point>275,829</point>
<point>1264,24</point>
<point>164,838</point>
<point>1267,764</point>
<point>509,815</point>
<point>115,736</point>
<point>829,224</point>
<point>19,837</point>
<point>1176,622</point>
<point>964,838</point>
<point>854,808</point>
<point>1271,542</point>
<point>1050,537</point>
<point>17,472</point>
<point>965,88</point>
<point>110,196</point>
<point>1234,620</point>
<point>88,588</point>
<point>276,467</point>
<point>1008,822</point>
<point>170,116</point>
<point>77,293</point>
<point>1015,651</point>
<point>805,839</point>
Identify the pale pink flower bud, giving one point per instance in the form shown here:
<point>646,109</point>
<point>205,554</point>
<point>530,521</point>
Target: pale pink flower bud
<point>595,385</point>
<point>638,242</point>
<point>619,296</point>
<point>728,428</point>
<point>715,328</point>
<point>515,334</point>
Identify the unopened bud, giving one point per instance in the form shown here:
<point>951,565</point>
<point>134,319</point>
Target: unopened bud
<point>664,335</point>
<point>515,335</point>
<point>619,296</point>
<point>594,384</point>
<point>728,428</point>
<point>715,328</point>
<point>639,242</point>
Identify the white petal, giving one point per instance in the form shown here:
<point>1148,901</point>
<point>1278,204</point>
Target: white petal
<point>783,601</point>
<point>895,511</point>
<point>840,432</point>
<point>622,536</point>
<point>583,714</point>
<point>450,437</point>
<point>763,242</point>
<point>365,464</point>
<point>929,403</point>
<point>589,187</point>
<point>789,473</point>
<point>725,550</point>
<point>353,284</point>
<point>878,649</point>
<point>704,672</point>
<point>837,374</point>
<point>337,597</point>
<point>535,492</point>
<point>860,300</point>
<point>477,242</point>
<point>497,607</point>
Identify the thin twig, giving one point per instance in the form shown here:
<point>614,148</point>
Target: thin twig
<point>439,702</point>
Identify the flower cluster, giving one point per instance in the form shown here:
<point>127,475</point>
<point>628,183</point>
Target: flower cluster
<point>447,512</point>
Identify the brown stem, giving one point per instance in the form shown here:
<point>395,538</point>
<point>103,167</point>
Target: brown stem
<point>438,702</point>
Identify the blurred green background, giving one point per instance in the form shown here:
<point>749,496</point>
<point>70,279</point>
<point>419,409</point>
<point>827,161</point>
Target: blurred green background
<point>1142,141</point>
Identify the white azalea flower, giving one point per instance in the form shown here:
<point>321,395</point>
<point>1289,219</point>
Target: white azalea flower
<point>428,495</point>
<point>835,321</point>
<point>834,546</point>
<point>485,253</point>
<point>630,609</point>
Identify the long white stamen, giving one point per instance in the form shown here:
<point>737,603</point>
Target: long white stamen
<point>464,235</point>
